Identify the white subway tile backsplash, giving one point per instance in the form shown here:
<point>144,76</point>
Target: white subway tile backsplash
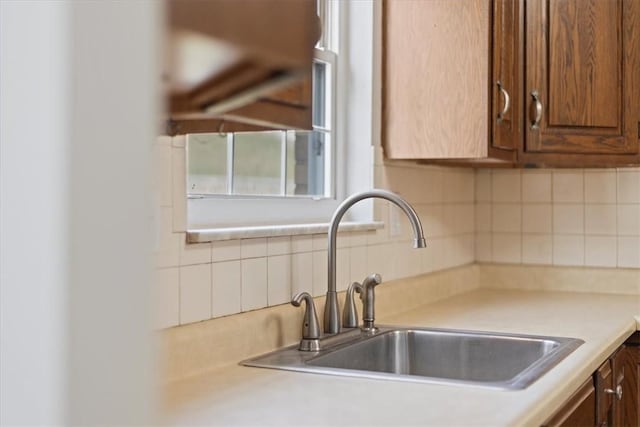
<point>505,186</point>
<point>537,218</point>
<point>437,254</point>
<point>162,177</point>
<point>343,269</point>
<point>537,249</point>
<point>253,248</point>
<point>320,241</point>
<point>226,292</point>
<point>507,247</point>
<point>600,186</point>
<point>506,218</point>
<point>536,186</point>
<point>402,252</point>
<point>358,238</point>
<point>460,250</point>
<point>568,250</point>
<point>432,185</point>
<point>194,253</point>
<point>600,219</point>
<point>167,249</point>
<point>358,263</point>
<point>629,185</point>
<point>458,187</point>
<point>629,220</point>
<point>483,185</point>
<point>168,253</point>
<point>483,217</point>
<point>166,295</point>
<point>416,265</point>
<point>568,218</point>
<point>465,219</point>
<point>512,216</point>
<point>195,293</point>
<point>254,283</point>
<point>301,243</point>
<point>301,273</point>
<point>432,218</point>
<point>568,186</point>
<point>629,251</point>
<point>225,250</point>
<point>600,251</point>
<point>380,259</point>
<point>278,279</point>
<point>319,273</point>
<point>483,247</point>
<point>179,202</point>
<point>278,245</point>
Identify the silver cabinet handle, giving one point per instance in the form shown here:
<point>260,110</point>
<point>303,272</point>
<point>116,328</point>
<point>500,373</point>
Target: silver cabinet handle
<point>535,124</point>
<point>507,101</point>
<point>617,392</point>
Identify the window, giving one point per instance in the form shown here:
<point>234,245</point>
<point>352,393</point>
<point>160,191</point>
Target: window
<point>272,177</point>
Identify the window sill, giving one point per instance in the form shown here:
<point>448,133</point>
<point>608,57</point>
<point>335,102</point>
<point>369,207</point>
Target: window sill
<point>230,233</point>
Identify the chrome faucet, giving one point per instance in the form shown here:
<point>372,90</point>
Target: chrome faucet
<point>331,309</point>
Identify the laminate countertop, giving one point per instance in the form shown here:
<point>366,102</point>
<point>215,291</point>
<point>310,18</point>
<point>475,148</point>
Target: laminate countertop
<point>238,395</point>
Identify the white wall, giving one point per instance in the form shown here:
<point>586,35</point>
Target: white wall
<point>34,156</point>
<point>79,83</point>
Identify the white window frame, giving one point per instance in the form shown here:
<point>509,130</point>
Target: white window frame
<point>356,127</point>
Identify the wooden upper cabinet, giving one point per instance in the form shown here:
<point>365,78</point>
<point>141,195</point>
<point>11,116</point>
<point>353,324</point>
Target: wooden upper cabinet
<point>526,82</point>
<point>506,107</point>
<point>435,73</point>
<point>582,82</point>
<point>246,64</point>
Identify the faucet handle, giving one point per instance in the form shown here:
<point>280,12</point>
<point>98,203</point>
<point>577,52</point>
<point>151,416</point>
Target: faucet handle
<point>310,327</point>
<point>350,313</point>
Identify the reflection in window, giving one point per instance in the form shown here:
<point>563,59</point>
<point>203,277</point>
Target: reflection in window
<point>274,163</point>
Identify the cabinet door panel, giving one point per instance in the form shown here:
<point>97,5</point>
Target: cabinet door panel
<point>507,71</point>
<point>583,58</point>
<point>578,411</point>
<point>584,63</point>
<point>435,75</point>
<point>631,400</point>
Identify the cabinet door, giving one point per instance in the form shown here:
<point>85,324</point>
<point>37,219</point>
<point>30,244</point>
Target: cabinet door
<point>582,77</point>
<point>628,408</point>
<point>626,365</point>
<point>578,411</point>
<point>435,79</point>
<point>506,119</point>
<point>604,378</point>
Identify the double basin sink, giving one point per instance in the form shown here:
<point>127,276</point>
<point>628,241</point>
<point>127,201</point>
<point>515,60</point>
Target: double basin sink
<point>503,361</point>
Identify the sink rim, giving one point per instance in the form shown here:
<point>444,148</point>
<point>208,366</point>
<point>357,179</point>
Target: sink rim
<point>290,359</point>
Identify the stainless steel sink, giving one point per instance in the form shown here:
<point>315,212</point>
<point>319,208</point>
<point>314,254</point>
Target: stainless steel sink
<point>495,360</point>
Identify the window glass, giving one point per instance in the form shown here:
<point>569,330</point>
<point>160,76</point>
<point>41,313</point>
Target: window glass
<point>207,164</point>
<point>257,163</point>
<point>305,163</point>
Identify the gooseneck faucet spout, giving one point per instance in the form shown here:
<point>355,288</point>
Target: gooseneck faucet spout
<point>331,309</point>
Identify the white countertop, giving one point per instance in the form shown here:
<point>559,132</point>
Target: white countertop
<point>237,395</point>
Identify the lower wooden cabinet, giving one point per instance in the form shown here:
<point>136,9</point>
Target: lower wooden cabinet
<point>610,397</point>
<point>627,410</point>
<point>578,410</point>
